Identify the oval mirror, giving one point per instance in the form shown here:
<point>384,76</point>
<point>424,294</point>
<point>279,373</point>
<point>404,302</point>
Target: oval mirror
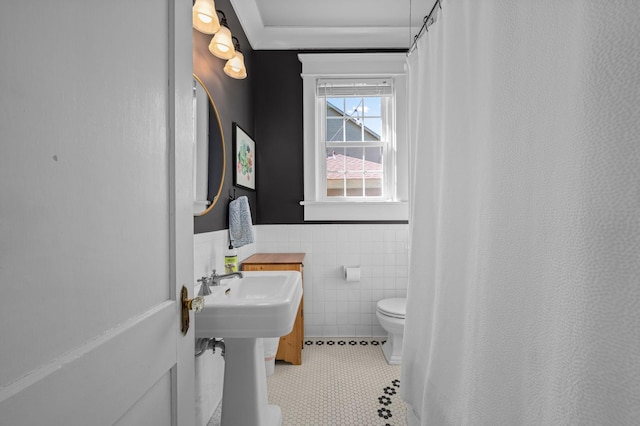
<point>209,151</point>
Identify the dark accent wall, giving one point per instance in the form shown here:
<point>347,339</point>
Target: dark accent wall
<point>277,109</point>
<point>268,106</point>
<point>234,102</point>
<point>278,115</point>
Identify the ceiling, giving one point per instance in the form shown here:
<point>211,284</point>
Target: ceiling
<point>331,24</point>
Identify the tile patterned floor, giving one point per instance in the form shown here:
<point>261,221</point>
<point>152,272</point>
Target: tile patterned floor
<point>342,381</point>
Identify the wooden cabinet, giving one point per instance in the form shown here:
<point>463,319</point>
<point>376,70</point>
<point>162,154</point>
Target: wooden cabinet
<point>290,348</point>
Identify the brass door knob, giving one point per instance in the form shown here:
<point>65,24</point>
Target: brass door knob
<point>196,304</point>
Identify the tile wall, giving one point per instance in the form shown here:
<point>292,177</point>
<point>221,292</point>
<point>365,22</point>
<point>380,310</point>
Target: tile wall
<point>209,249</point>
<point>333,306</point>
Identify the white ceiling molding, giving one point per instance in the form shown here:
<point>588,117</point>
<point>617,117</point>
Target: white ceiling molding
<point>376,29</point>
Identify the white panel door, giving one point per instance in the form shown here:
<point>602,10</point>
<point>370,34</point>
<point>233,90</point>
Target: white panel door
<point>96,229</point>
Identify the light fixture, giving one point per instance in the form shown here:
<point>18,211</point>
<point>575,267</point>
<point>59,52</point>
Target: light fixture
<point>235,66</point>
<point>222,44</point>
<point>205,18</point>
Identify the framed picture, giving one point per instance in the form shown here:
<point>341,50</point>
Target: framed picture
<point>244,156</point>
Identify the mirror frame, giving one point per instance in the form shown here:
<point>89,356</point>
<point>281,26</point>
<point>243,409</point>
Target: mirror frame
<point>224,152</point>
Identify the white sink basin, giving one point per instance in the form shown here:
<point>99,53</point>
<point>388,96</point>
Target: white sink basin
<point>242,310</point>
<point>261,304</point>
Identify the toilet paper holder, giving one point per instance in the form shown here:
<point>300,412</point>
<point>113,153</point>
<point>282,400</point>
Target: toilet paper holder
<point>352,273</point>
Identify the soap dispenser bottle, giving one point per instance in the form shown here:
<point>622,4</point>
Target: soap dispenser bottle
<point>231,260</point>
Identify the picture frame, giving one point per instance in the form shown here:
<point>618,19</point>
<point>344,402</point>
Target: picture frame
<point>244,159</point>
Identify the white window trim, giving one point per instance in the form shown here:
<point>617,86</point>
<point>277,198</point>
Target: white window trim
<point>353,65</point>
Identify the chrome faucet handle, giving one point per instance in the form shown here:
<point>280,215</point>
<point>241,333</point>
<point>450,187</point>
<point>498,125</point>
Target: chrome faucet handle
<point>204,288</point>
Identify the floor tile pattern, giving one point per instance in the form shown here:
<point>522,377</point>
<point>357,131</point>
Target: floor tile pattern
<point>341,382</point>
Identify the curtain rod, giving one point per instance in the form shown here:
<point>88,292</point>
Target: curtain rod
<point>427,21</point>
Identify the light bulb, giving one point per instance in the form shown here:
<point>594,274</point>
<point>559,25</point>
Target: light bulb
<point>204,18</point>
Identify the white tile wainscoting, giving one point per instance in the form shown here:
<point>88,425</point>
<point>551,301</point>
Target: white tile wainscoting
<point>333,306</point>
<point>209,249</point>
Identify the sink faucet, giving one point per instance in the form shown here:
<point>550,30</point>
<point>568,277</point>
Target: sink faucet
<point>215,278</point>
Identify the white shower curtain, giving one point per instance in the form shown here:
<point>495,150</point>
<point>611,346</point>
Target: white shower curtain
<point>524,295</point>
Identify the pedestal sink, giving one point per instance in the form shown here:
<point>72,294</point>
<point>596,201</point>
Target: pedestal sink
<point>261,304</point>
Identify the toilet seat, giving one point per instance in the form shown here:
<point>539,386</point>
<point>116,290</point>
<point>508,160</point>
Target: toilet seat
<point>394,307</point>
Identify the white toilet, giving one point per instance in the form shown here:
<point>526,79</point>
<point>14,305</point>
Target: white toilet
<point>390,313</point>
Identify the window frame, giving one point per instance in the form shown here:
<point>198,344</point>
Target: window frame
<point>317,206</point>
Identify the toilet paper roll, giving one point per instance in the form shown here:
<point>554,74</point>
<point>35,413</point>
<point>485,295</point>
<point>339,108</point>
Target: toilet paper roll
<point>352,273</point>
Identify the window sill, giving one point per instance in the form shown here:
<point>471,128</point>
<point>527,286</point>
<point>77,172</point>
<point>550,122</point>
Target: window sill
<point>365,211</point>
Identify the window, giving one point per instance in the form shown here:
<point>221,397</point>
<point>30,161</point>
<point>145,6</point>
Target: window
<point>355,153</point>
<point>356,137</point>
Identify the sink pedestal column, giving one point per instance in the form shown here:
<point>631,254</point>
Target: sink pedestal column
<point>244,394</point>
